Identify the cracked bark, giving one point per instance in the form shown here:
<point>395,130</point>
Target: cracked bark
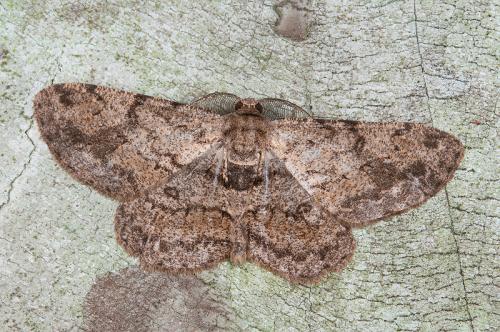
<point>11,183</point>
<point>446,190</point>
<point>459,259</point>
<point>435,268</point>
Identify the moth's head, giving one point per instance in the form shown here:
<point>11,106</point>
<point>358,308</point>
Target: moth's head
<point>248,106</point>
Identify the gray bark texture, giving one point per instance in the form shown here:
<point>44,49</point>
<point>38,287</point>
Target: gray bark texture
<point>435,268</point>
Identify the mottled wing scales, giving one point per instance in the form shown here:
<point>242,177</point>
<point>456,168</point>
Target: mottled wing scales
<point>363,172</point>
<point>181,225</point>
<point>173,241</point>
<point>218,102</point>
<point>275,109</point>
<point>292,235</point>
<point>118,142</point>
<point>167,162</point>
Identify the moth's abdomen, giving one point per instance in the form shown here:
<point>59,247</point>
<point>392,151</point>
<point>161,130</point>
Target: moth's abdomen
<point>239,240</point>
<point>241,177</point>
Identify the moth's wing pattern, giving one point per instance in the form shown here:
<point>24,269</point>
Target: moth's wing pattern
<point>363,172</point>
<point>118,142</point>
<point>274,109</point>
<point>292,235</point>
<point>218,102</point>
<point>181,225</point>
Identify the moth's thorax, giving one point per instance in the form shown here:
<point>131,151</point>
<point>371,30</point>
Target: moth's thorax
<point>245,140</point>
<point>245,137</point>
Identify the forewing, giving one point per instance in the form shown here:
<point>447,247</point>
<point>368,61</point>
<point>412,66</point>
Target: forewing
<point>121,143</point>
<point>363,172</point>
<point>292,235</point>
<point>181,225</point>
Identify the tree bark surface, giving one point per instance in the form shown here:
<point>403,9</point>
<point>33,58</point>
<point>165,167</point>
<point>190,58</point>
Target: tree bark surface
<point>434,268</point>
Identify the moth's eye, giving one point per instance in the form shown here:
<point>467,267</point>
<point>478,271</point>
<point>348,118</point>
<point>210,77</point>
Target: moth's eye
<point>238,105</point>
<point>259,107</point>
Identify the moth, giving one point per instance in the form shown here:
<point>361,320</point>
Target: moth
<point>226,178</point>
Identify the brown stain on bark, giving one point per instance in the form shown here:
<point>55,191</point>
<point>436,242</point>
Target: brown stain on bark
<point>133,300</point>
<point>294,19</point>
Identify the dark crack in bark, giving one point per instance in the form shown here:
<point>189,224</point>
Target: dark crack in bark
<point>25,165</point>
<point>459,260</point>
<point>421,64</point>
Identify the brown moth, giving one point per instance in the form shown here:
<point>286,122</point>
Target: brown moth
<point>240,179</point>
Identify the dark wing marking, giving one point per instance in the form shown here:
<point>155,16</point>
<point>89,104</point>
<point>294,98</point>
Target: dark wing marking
<point>182,225</point>
<point>218,102</point>
<point>292,235</point>
<point>275,109</point>
<point>363,172</point>
<point>121,143</point>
